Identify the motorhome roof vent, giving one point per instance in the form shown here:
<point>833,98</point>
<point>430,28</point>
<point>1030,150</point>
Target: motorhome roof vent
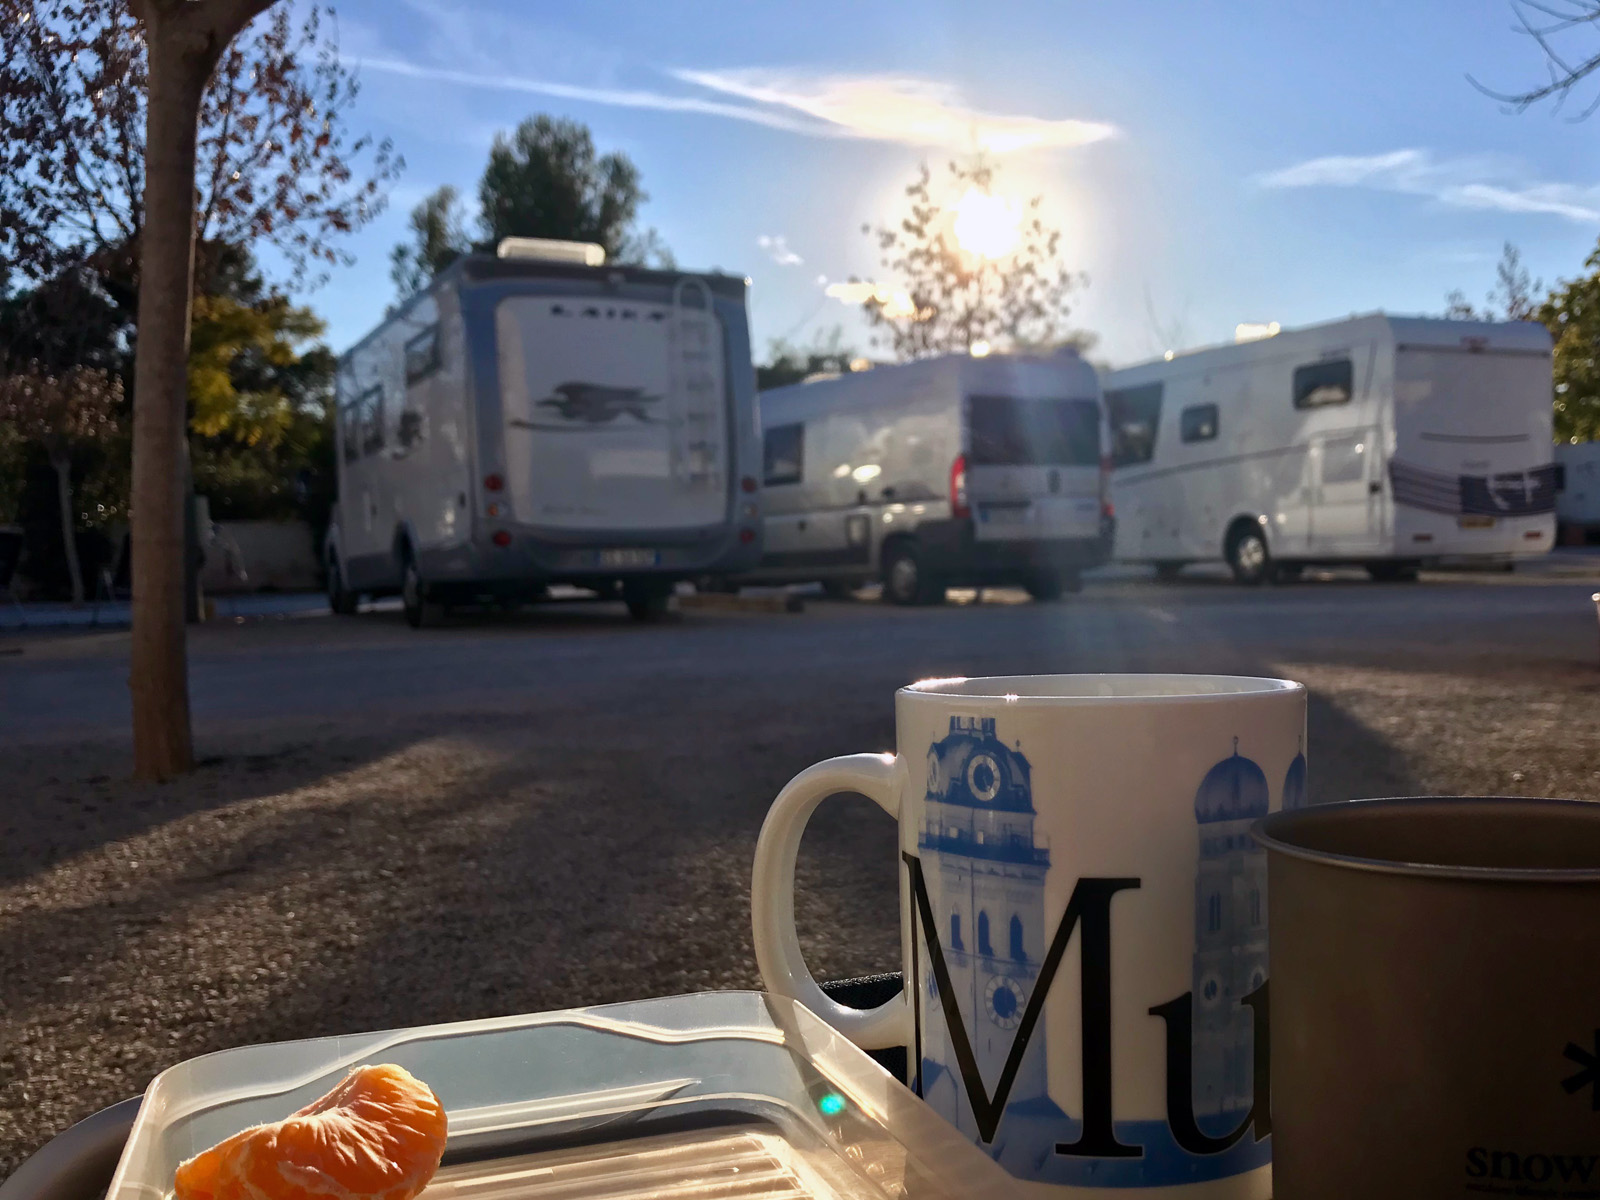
<point>585,254</point>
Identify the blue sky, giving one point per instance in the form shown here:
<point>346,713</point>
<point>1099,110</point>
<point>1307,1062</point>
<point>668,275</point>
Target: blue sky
<point>1208,163</point>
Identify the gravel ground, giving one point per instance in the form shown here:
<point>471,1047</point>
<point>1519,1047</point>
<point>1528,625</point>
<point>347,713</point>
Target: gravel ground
<point>317,877</point>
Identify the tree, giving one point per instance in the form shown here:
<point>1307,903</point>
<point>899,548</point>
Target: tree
<point>275,162</point>
<point>60,412</point>
<point>1514,297</point>
<point>438,238</point>
<point>1572,315</point>
<point>787,363</point>
<point>545,180</point>
<point>1548,23</point>
<point>970,273</point>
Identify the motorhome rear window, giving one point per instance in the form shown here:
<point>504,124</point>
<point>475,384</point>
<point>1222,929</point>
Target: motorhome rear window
<point>783,454</point>
<point>1198,423</point>
<point>1135,419</point>
<point>1320,384</point>
<point>422,355</point>
<point>1004,431</point>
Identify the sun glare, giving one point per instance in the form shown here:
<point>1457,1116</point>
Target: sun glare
<point>986,225</point>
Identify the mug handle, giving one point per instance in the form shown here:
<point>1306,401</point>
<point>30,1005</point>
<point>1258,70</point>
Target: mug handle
<point>783,967</point>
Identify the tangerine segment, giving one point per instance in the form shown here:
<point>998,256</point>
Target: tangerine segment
<point>378,1135</point>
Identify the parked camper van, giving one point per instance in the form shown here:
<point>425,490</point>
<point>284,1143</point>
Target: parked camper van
<point>537,418</point>
<point>1381,441</point>
<point>1578,499</point>
<point>949,471</point>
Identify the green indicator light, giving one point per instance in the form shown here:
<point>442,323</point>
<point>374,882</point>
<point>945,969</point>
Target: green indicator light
<point>831,1105</point>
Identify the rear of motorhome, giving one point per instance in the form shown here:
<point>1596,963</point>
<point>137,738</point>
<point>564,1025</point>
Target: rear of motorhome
<point>1385,442</point>
<point>946,472</point>
<point>533,419</point>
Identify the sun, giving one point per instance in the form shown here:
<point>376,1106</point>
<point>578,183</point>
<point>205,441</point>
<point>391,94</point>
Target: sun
<point>986,225</point>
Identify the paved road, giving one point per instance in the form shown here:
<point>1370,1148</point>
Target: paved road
<point>571,655</point>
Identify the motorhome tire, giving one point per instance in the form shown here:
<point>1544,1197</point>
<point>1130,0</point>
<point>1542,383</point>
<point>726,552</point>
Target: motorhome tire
<point>1248,557</point>
<point>906,580</point>
<point>646,602</point>
<point>1393,572</point>
<point>342,601</point>
<point>414,596</point>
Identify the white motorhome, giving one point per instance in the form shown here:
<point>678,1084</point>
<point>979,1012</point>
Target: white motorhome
<point>951,471</point>
<point>532,418</point>
<point>1385,442</point>
<point>1578,499</point>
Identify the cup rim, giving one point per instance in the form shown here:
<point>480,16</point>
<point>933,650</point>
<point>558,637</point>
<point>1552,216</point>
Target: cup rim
<point>1267,833</point>
<point>1011,690</point>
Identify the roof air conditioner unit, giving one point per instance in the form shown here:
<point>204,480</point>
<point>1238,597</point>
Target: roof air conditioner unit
<point>583,254</point>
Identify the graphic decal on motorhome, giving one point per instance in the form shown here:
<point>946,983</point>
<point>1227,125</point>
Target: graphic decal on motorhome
<point>1510,494</point>
<point>588,406</point>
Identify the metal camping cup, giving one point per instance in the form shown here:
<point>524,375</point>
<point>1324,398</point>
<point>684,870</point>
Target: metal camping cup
<point>1435,998</point>
<point>1082,916</point>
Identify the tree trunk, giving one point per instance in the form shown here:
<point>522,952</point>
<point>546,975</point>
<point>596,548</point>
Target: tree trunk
<point>69,540</point>
<point>159,680</point>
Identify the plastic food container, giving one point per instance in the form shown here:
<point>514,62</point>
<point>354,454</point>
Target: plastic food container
<point>714,1096</point>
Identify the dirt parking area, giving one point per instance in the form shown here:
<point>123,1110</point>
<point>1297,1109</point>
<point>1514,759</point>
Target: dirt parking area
<point>422,852</point>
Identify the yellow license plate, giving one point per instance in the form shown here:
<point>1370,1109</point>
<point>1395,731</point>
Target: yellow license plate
<point>1476,522</point>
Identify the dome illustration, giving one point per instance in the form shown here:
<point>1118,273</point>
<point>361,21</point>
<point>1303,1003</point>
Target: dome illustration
<point>1232,790</point>
<point>974,768</point>
<point>1294,784</point>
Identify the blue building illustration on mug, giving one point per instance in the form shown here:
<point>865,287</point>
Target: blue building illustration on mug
<point>1230,936</point>
<point>978,839</point>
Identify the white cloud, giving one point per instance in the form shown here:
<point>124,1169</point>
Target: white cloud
<point>777,248</point>
<point>897,108</point>
<point>618,97</point>
<point>1464,182</point>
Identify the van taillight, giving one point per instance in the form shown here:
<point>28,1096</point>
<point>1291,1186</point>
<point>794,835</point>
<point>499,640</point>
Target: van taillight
<point>958,488</point>
<point>493,483</point>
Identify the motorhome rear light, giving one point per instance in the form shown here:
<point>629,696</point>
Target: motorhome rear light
<point>493,510</point>
<point>958,488</point>
<point>493,483</point>
<point>501,538</point>
<point>1108,510</point>
<point>1422,537</point>
<point>747,536</point>
<point>748,483</point>
<point>1533,534</point>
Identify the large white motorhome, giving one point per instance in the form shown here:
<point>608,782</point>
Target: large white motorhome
<point>951,471</point>
<point>532,418</point>
<point>1386,442</point>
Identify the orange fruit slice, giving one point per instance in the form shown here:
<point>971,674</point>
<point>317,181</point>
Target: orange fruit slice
<point>377,1136</point>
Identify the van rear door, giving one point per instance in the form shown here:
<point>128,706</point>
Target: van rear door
<point>1033,467</point>
<point>616,413</point>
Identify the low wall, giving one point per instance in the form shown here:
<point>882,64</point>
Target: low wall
<point>252,556</point>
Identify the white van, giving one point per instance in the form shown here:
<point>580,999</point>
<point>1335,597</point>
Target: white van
<point>535,420</point>
<point>1385,442</point>
<point>951,471</point>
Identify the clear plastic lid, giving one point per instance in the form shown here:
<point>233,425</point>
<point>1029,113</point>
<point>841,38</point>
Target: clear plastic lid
<point>703,1097</point>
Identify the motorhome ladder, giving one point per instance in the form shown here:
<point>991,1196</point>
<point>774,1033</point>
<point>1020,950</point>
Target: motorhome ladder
<point>695,400</point>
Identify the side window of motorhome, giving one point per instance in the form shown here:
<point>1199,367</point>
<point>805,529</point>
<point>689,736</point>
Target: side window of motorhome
<point>1198,423</point>
<point>783,455</point>
<point>1135,418</point>
<point>350,430</point>
<point>423,357</point>
<point>369,410</point>
<point>1318,385</point>
<point>1003,431</point>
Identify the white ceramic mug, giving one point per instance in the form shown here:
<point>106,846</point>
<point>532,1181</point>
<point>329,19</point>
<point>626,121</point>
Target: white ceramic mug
<point>1083,918</point>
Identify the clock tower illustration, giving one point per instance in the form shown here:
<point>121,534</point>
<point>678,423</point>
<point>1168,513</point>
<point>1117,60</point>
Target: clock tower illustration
<point>977,841</point>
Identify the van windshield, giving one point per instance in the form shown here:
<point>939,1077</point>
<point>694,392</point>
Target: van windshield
<point>1005,431</point>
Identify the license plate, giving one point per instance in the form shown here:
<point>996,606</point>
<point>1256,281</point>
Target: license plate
<point>1476,522</point>
<point>629,558</point>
